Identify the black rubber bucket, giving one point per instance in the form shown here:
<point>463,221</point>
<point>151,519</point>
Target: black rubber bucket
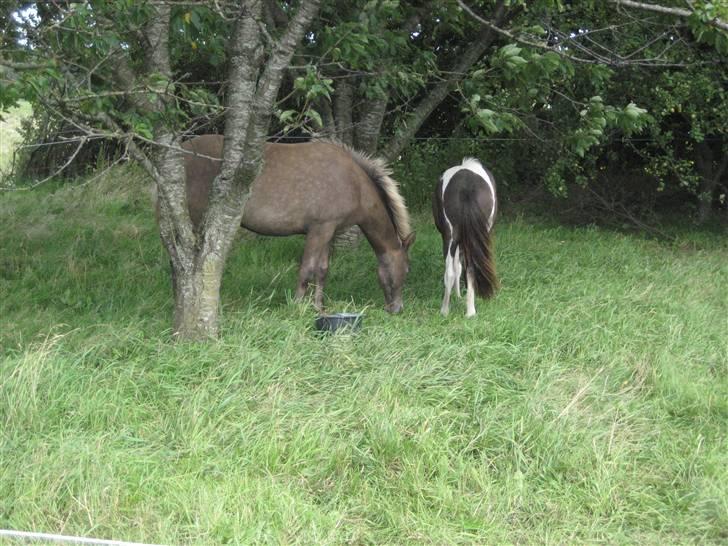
<point>339,322</point>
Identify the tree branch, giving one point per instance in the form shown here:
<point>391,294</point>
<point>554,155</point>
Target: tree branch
<point>495,28</point>
<point>677,12</point>
<point>274,15</point>
<point>246,56</point>
<point>597,58</point>
<point>283,52</point>
<point>81,142</point>
<point>167,166</point>
<point>24,66</point>
<point>157,34</point>
<point>247,127</point>
<point>438,93</point>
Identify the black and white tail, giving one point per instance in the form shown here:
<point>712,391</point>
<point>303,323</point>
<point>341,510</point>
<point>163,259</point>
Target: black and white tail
<point>477,244</point>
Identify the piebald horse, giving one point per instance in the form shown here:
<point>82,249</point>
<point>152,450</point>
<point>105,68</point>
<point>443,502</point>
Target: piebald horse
<point>464,205</point>
<point>316,188</point>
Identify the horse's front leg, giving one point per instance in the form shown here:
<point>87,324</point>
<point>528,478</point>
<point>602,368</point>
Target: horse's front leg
<point>322,269</point>
<point>315,263</point>
<point>306,271</point>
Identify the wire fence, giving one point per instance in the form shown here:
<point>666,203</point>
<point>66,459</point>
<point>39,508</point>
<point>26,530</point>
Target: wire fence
<point>477,138</point>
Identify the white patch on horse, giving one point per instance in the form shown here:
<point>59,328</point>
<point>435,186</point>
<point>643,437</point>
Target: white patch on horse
<point>458,271</point>
<point>470,296</point>
<point>446,176</point>
<point>449,280</point>
<point>475,166</point>
<point>452,265</point>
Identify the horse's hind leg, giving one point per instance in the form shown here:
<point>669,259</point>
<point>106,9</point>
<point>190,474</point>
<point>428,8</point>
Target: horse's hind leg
<point>470,296</point>
<point>449,280</point>
<point>458,272</point>
<point>315,262</point>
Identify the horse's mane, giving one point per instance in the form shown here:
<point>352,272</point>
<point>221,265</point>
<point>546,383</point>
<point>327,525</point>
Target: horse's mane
<point>380,173</point>
<point>471,162</point>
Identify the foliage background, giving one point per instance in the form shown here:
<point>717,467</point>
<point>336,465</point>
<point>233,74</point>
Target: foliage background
<point>636,130</point>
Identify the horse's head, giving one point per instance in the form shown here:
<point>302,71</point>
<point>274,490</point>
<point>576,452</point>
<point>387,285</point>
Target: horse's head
<point>393,269</point>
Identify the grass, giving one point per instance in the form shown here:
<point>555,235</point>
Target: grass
<point>586,404</point>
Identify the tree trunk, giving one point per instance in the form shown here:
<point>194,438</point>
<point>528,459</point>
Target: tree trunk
<point>437,94</point>
<point>197,299</point>
<point>349,238</point>
<point>198,256</point>
<point>705,199</point>
<point>704,163</point>
<point>327,118</point>
<point>343,104</point>
<point>710,178</point>
<point>370,125</point>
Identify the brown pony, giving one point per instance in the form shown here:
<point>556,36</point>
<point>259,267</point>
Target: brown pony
<point>315,188</point>
<point>464,205</point>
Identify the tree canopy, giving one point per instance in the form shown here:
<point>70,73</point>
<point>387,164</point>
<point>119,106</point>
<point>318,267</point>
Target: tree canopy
<point>373,73</point>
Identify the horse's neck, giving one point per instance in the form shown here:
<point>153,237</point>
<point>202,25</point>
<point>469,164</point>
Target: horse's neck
<point>381,234</point>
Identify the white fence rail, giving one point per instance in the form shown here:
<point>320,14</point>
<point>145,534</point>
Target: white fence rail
<point>26,537</point>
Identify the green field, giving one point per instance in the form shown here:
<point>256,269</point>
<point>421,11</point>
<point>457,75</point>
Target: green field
<point>586,404</point>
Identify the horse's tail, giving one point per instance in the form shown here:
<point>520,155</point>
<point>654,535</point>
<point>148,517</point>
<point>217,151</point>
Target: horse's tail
<point>380,173</point>
<point>478,250</point>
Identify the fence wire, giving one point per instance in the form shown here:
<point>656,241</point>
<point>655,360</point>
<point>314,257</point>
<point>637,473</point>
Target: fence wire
<point>24,537</point>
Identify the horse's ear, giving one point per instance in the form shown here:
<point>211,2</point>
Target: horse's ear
<point>409,240</point>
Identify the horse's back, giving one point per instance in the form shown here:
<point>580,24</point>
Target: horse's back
<point>462,187</point>
<point>467,187</point>
<point>305,184</point>
<point>300,185</point>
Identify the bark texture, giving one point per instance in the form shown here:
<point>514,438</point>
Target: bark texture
<point>370,125</point>
<point>198,257</point>
<point>343,105</point>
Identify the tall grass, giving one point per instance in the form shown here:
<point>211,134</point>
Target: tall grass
<point>585,404</point>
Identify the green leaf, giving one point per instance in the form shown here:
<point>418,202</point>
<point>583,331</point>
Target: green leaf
<point>633,111</point>
<point>287,116</point>
<point>510,50</point>
<point>315,116</point>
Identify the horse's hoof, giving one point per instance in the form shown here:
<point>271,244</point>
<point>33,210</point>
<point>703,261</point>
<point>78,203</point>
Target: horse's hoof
<point>394,308</point>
